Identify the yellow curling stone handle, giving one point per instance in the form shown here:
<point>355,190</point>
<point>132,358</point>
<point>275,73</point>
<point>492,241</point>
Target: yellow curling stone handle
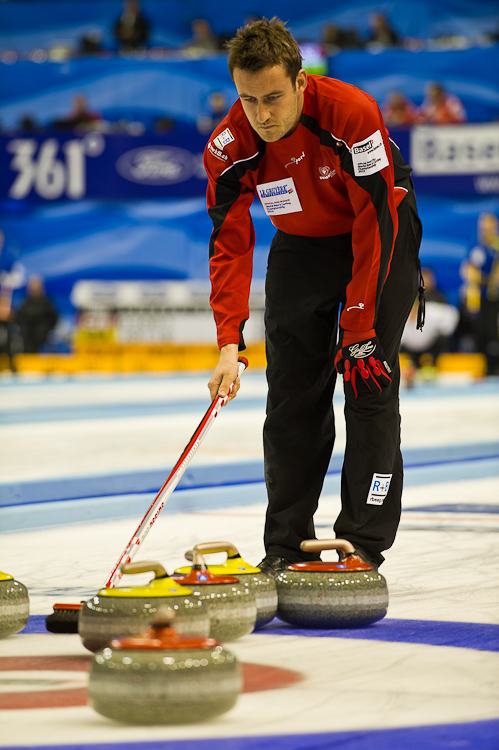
<point>208,548</point>
<point>144,566</point>
<point>318,545</point>
<point>234,565</point>
<point>161,585</point>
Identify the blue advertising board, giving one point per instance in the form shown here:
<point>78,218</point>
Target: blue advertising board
<point>61,166</point>
<point>460,161</point>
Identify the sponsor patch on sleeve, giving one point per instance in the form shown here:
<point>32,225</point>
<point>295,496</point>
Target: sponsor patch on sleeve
<point>369,156</point>
<point>223,139</point>
<point>379,489</point>
<point>216,152</point>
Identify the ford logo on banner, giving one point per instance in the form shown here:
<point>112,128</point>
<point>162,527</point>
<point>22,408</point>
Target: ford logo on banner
<point>157,165</point>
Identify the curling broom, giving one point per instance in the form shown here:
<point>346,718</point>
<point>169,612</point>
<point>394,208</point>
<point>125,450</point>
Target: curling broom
<point>64,618</point>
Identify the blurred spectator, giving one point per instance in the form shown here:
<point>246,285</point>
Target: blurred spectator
<point>335,39</point>
<point>424,346</point>
<point>6,316</point>
<point>90,44</point>
<point>399,111</point>
<point>440,107</point>
<point>163,125</point>
<point>382,34</point>
<point>491,36</point>
<point>7,327</point>
<point>28,124</point>
<point>132,29</point>
<point>80,115</point>
<point>217,109</point>
<point>480,291</point>
<point>203,39</point>
<point>36,316</point>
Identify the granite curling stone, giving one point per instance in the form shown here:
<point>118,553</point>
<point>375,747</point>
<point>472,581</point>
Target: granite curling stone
<point>116,612</point>
<point>345,594</point>
<point>230,603</point>
<point>262,585</point>
<point>163,677</point>
<point>14,605</point>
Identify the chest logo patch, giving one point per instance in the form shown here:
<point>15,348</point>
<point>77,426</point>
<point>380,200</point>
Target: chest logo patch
<point>369,156</point>
<point>325,173</point>
<point>295,159</point>
<point>279,197</point>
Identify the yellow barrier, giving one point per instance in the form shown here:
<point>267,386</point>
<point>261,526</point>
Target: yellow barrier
<point>173,357</point>
<point>128,359</point>
<point>474,363</point>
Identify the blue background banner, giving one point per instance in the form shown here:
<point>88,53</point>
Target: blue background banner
<point>118,88</point>
<point>27,24</point>
<point>470,74</point>
<point>143,89</point>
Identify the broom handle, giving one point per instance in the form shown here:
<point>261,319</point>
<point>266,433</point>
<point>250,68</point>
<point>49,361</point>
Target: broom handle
<point>174,478</point>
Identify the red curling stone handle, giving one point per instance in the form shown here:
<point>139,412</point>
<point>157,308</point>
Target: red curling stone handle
<point>317,545</point>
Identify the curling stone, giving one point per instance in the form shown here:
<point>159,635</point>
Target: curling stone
<point>14,605</point>
<point>230,603</point>
<point>345,594</point>
<point>262,585</point>
<point>163,677</point>
<point>116,612</point>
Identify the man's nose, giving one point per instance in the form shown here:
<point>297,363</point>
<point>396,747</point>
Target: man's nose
<point>263,114</point>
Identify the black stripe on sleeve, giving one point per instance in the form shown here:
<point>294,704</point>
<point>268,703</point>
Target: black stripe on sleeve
<point>225,197</point>
<point>375,186</point>
<point>228,191</point>
<point>401,170</point>
<point>241,346</point>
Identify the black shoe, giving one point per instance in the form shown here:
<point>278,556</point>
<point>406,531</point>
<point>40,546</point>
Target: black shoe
<point>272,565</point>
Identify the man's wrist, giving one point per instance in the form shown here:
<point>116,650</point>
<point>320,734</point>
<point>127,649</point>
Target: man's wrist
<point>353,337</point>
<point>229,349</point>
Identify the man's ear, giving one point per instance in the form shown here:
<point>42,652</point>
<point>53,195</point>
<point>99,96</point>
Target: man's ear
<point>301,81</point>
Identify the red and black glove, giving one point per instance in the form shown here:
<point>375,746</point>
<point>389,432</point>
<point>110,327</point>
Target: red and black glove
<point>362,361</point>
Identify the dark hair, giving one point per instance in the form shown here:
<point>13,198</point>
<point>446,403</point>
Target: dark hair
<point>264,44</point>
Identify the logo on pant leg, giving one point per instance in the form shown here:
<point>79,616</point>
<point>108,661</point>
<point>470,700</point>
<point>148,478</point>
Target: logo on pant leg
<point>379,489</point>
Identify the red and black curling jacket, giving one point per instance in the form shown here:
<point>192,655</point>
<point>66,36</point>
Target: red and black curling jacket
<point>338,172</point>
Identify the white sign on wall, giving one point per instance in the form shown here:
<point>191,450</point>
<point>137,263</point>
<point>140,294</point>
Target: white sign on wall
<point>455,149</point>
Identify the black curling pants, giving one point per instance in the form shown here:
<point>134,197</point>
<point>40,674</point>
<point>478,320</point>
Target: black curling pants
<point>305,287</point>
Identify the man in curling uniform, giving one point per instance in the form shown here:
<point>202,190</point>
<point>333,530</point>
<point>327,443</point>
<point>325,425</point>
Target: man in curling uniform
<point>316,152</point>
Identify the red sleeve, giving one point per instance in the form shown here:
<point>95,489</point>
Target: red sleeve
<point>367,168</point>
<point>229,198</point>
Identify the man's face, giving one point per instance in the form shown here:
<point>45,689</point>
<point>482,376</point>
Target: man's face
<point>271,101</point>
